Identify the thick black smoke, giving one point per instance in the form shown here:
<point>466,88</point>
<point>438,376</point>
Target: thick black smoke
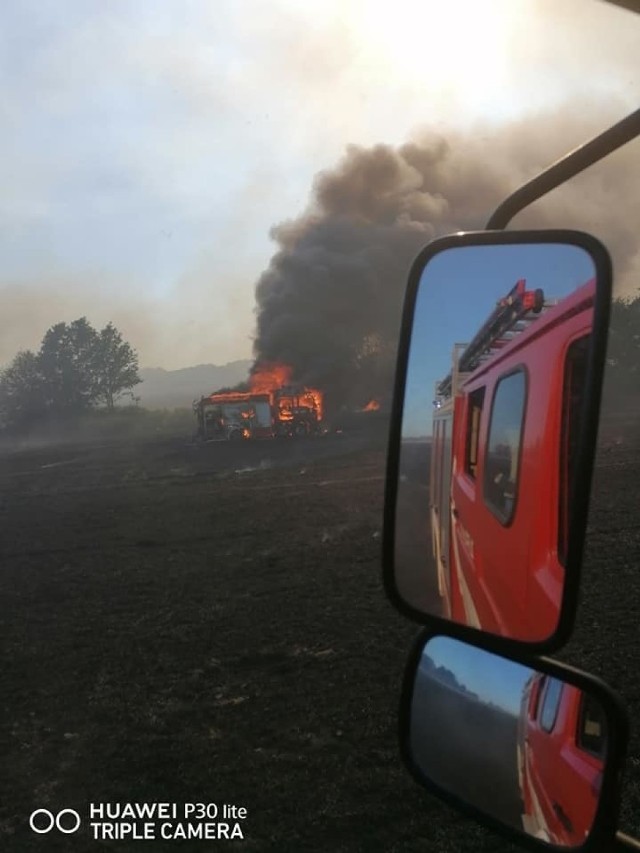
<point>329,304</point>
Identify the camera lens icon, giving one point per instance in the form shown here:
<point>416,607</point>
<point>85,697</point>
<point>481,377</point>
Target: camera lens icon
<point>66,821</point>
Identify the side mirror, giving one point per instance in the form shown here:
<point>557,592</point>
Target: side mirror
<point>534,752</point>
<point>493,431</point>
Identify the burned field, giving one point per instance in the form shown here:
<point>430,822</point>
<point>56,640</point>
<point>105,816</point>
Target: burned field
<point>476,741</point>
<point>184,623</point>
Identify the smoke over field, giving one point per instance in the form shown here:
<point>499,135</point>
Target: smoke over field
<point>329,303</point>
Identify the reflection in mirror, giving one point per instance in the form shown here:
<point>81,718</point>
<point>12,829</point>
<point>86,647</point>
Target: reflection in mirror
<point>518,745</point>
<point>492,417</point>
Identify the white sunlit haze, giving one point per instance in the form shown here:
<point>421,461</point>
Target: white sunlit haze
<point>148,149</point>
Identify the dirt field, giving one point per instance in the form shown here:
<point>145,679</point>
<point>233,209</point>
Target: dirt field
<point>475,742</point>
<point>184,623</point>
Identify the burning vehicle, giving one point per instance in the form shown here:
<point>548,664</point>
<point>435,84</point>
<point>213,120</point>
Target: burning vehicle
<point>271,406</point>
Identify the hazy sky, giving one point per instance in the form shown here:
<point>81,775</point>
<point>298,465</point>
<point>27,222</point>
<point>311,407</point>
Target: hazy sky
<point>148,147</point>
<point>493,678</point>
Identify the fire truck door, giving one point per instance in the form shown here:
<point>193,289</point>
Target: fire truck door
<point>491,531</point>
<point>543,745</point>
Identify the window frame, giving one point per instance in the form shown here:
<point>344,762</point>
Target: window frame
<point>504,519</point>
<point>602,754</point>
<point>564,479</point>
<point>472,431</point>
<point>542,705</point>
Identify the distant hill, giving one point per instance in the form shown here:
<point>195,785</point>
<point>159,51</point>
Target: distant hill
<point>172,389</point>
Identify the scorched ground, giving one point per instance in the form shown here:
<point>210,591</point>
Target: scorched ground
<point>188,623</point>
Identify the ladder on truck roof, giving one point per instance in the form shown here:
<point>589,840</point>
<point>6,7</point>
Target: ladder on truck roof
<point>512,315</point>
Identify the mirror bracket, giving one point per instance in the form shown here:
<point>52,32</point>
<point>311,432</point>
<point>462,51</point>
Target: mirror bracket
<point>567,167</point>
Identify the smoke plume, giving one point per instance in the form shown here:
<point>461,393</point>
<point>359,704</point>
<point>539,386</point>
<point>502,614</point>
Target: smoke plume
<point>329,303</point>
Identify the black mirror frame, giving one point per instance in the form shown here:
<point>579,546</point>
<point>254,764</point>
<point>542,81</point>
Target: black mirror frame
<point>586,449</point>
<point>605,822</point>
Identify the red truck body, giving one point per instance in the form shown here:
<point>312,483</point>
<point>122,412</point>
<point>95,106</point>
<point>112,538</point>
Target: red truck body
<point>285,411</point>
<point>503,450</point>
<point>561,754</point>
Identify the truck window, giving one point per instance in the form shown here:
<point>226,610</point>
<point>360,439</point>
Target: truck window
<point>502,457</point>
<point>537,689</point>
<point>592,733</point>
<point>550,704</point>
<point>476,400</point>
<point>575,370</point>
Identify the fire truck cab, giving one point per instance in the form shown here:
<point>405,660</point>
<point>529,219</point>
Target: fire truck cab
<point>266,411</point>
<point>504,442</point>
<point>298,411</point>
<point>233,416</point>
<point>562,741</point>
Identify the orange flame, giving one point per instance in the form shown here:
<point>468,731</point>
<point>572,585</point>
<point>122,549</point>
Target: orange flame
<point>269,377</point>
<point>372,406</point>
<point>267,380</point>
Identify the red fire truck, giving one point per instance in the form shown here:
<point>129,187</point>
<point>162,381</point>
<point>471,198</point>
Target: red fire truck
<point>286,411</point>
<point>503,456</point>
<point>562,741</point>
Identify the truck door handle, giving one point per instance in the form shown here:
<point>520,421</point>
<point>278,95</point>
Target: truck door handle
<point>455,513</point>
<point>563,817</point>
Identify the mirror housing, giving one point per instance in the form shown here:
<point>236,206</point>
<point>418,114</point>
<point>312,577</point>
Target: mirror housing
<point>532,748</point>
<point>488,479</point>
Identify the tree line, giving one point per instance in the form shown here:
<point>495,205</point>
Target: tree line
<point>77,368</point>
<point>623,350</point>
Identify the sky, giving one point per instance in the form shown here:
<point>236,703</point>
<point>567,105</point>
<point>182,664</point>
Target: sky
<point>149,148</point>
<point>493,678</point>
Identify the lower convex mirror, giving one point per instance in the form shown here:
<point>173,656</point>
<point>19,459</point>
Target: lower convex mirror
<point>533,750</point>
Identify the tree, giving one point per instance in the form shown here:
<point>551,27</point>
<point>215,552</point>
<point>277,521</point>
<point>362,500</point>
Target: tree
<point>82,368</point>
<point>115,366</point>
<point>21,391</point>
<point>75,369</point>
<point>66,361</point>
<point>623,352</point>
<point>373,366</point>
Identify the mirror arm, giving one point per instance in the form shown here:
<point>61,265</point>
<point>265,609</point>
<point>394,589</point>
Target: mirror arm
<point>625,842</point>
<point>568,166</point>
